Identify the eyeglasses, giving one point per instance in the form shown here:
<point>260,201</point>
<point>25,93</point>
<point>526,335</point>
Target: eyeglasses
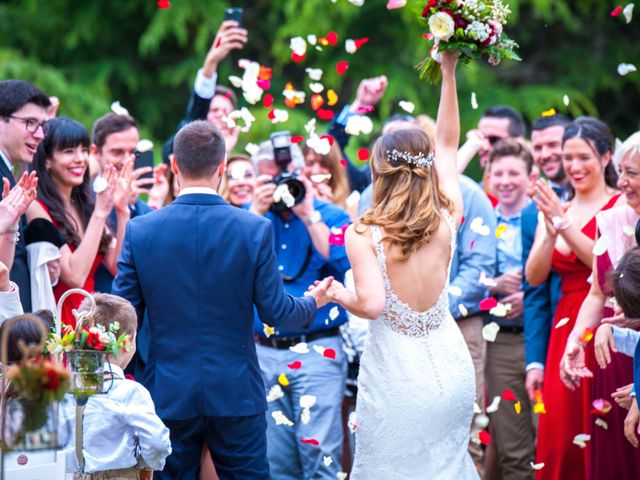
<point>32,124</point>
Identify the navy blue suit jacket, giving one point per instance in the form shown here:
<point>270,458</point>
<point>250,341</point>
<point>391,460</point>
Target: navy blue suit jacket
<point>198,267</point>
<point>539,302</point>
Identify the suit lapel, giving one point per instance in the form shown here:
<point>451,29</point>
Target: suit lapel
<point>6,172</point>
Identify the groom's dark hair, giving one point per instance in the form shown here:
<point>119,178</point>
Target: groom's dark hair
<point>199,148</point>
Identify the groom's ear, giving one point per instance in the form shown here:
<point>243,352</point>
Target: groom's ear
<point>174,165</point>
<point>222,167</point>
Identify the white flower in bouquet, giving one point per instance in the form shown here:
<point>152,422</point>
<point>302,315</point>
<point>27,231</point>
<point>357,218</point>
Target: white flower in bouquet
<point>478,31</point>
<point>441,26</point>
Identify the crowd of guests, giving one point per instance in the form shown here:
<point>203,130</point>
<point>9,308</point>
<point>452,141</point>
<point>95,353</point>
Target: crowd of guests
<point>546,247</point>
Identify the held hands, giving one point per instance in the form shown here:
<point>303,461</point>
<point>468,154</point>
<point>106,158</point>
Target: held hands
<point>229,37</point>
<point>319,291</point>
<point>16,200</point>
<point>604,344</point>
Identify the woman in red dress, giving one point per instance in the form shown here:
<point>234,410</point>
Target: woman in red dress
<point>564,242</point>
<point>64,198</point>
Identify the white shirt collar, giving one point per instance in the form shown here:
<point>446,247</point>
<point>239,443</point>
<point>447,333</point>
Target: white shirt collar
<point>190,190</point>
<point>117,371</point>
<point>5,159</point>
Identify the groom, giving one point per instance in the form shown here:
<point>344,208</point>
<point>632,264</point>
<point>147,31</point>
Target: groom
<point>198,267</point>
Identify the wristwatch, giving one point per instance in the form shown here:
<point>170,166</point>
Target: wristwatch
<point>314,218</point>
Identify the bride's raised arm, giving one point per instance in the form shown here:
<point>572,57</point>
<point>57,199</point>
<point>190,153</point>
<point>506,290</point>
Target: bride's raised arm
<point>448,133</point>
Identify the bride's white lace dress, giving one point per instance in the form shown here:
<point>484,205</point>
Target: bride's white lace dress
<point>416,390</point>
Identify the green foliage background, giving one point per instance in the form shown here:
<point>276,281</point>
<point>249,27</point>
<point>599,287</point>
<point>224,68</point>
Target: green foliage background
<point>91,52</point>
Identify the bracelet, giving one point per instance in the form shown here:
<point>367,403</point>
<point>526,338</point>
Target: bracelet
<point>12,235</point>
<point>561,223</point>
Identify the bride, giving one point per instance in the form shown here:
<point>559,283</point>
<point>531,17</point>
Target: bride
<point>416,384</point>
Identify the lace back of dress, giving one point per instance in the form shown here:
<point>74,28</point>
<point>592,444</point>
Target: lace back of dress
<point>397,314</point>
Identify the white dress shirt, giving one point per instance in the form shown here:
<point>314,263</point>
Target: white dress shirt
<point>625,339</point>
<point>190,190</point>
<point>119,427</point>
<point>204,86</point>
<point>10,305</point>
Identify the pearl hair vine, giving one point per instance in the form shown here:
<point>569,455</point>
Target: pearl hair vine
<point>419,160</point>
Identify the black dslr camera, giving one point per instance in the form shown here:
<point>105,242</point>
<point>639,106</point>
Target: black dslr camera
<point>289,190</point>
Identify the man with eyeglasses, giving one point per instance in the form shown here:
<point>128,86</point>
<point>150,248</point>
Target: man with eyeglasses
<point>23,116</point>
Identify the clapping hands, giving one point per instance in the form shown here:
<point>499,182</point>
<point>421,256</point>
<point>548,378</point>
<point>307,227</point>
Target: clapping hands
<point>16,200</point>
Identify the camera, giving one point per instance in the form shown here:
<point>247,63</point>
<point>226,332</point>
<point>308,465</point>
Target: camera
<point>289,190</point>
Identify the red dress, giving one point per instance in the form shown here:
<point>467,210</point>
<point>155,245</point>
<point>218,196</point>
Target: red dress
<point>568,413</point>
<point>74,300</point>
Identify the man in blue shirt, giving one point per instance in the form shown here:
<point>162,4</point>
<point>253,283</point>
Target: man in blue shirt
<point>304,372</point>
<point>475,255</point>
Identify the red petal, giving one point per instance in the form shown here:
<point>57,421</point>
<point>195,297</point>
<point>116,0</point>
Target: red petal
<point>342,67</point>
<point>329,353</point>
<point>485,437</point>
<point>473,242</point>
<point>508,395</point>
<point>330,138</point>
<point>462,220</point>
<point>335,241</point>
<point>265,73</point>
<point>488,303</point>
<point>295,365</point>
<point>298,58</point>
<point>343,162</point>
<point>316,101</point>
<point>360,41</point>
<point>332,38</point>
<point>324,114</point>
<point>264,84</point>
<point>363,154</point>
<point>297,138</point>
<point>271,115</point>
<point>365,109</point>
<point>310,441</point>
<point>164,4</point>
<point>267,101</point>
<point>616,11</point>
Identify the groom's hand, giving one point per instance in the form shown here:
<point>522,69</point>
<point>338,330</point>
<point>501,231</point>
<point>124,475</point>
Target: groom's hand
<point>319,291</point>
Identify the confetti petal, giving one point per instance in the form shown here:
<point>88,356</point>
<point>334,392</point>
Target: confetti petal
<point>626,68</point>
<point>295,365</point>
<point>329,353</point>
<point>565,100</point>
<point>508,395</point>
<point>455,290</point>
<point>281,419</point>
<point>581,440</point>
<point>252,148</point>
<point>586,336</point>
<point>481,422</point>
<point>538,407</point>
<point>363,154</point>
<point>283,380</point>
<point>268,330</point>
<point>267,101</point>
<point>562,322</point>
<point>316,101</point>
<point>315,74</point>
<point>478,227</point>
<point>332,38</point>
<point>488,303</point>
<point>601,246</point>
<point>164,4</point>
<point>325,114</point>
<point>616,11</point>
<point>310,441</point>
<point>301,347</point>
<point>463,310</point>
<point>485,437</point>
<point>406,106</point>
<point>316,87</point>
<point>327,460</point>
<point>264,84</point>
<point>490,332</point>
<point>517,407</point>
<point>601,406</point>
<point>350,46</point>
<point>342,67</point>
<point>537,466</point>
<point>474,101</point>
<point>341,476</point>
<point>332,97</point>
<point>627,11</point>
<point>358,125</point>
<point>297,138</point>
<point>118,109</point>
<point>334,313</point>
<point>601,423</point>
<point>500,310</point>
<point>487,281</point>
<point>298,58</point>
<point>394,4</point>
<point>275,393</point>
<point>501,230</point>
<point>493,407</point>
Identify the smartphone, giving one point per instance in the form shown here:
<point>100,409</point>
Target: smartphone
<point>144,159</point>
<point>234,13</point>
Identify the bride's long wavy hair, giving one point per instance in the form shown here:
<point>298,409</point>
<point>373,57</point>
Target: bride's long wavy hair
<point>407,200</point>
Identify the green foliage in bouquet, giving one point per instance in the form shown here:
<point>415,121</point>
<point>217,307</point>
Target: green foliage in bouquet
<point>472,27</point>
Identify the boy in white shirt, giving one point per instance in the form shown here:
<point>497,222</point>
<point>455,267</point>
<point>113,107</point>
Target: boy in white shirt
<point>122,436</point>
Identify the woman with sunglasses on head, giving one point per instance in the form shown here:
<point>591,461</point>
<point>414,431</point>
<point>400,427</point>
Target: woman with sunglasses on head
<point>564,241</point>
<point>64,198</point>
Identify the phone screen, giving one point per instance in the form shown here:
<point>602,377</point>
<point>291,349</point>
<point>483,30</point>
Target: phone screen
<point>234,13</point>
<point>145,159</point>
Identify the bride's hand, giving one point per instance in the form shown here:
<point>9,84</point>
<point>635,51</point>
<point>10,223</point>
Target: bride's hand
<point>449,61</point>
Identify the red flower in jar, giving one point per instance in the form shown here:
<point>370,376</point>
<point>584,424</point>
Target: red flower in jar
<point>51,380</point>
<point>93,341</point>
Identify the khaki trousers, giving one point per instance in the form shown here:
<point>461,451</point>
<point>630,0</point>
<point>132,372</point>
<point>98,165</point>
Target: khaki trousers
<point>471,328</point>
<point>513,434</point>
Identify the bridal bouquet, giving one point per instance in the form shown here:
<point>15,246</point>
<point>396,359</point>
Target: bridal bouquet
<point>473,27</point>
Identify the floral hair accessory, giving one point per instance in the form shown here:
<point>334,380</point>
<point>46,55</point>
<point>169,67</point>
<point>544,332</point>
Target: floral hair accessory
<point>418,160</point>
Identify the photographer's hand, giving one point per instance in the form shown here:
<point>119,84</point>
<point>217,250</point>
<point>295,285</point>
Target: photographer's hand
<point>263,195</point>
<point>229,37</point>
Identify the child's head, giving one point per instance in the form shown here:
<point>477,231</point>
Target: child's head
<point>510,165</point>
<point>626,283</point>
<point>23,328</point>
<point>110,309</point>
